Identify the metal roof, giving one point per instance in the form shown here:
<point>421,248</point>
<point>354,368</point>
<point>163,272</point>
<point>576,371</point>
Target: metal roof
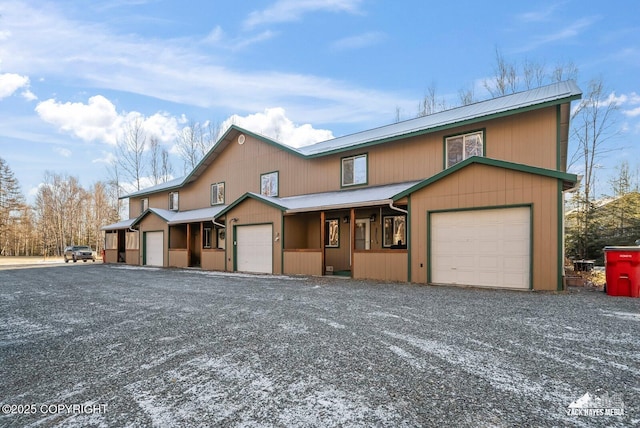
<point>191,216</point>
<point>556,93</point>
<point>171,184</point>
<point>126,224</point>
<point>565,91</point>
<point>342,199</point>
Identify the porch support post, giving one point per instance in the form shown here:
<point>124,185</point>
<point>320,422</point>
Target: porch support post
<point>322,243</point>
<point>188,244</point>
<point>352,231</point>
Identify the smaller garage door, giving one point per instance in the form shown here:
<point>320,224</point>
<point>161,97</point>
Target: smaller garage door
<point>254,248</point>
<point>154,248</point>
<point>489,247</point>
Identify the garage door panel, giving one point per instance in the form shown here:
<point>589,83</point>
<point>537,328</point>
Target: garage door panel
<point>154,248</point>
<point>254,250</point>
<point>482,247</point>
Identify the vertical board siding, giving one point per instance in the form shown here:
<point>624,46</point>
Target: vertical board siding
<point>505,187</point>
<point>213,260</point>
<point>381,265</point>
<point>303,262</point>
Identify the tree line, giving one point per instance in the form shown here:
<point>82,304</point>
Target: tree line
<point>65,213</point>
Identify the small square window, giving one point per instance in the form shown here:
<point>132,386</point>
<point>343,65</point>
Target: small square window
<point>354,170</point>
<point>173,201</point>
<point>461,147</point>
<point>269,184</point>
<point>217,194</point>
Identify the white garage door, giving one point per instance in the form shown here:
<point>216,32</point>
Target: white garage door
<point>482,247</point>
<point>254,248</point>
<point>154,248</point>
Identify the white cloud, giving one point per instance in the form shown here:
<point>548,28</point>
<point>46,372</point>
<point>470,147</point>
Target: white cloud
<point>274,123</point>
<point>28,95</point>
<point>98,120</point>
<point>95,121</point>
<point>62,151</point>
<point>107,158</point>
<point>540,15</point>
<point>632,112</point>
<point>358,41</point>
<point>568,31</point>
<point>293,10</point>
<point>10,83</point>
<point>46,43</point>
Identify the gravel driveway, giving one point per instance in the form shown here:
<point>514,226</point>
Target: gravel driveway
<point>106,345</point>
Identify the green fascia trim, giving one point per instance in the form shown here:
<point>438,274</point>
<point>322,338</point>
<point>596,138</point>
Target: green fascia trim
<point>490,162</point>
<point>143,215</point>
<point>447,126</point>
<point>144,248</point>
<point>558,138</point>
<point>235,250</point>
<point>152,192</point>
<point>560,250</point>
<point>249,196</point>
<point>409,238</point>
<point>428,238</point>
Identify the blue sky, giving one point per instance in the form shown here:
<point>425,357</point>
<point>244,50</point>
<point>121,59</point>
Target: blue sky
<point>73,72</point>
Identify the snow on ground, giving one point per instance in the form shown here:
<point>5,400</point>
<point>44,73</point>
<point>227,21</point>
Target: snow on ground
<point>190,348</point>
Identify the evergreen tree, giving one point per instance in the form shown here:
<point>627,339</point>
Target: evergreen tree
<point>11,201</point>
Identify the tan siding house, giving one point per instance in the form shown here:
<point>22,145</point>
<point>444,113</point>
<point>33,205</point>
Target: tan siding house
<point>469,196</point>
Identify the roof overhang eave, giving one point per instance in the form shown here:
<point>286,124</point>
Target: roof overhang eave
<point>334,207</point>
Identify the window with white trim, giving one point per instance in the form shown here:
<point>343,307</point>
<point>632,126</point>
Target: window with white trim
<point>173,201</point>
<point>269,184</point>
<point>354,170</point>
<point>206,237</point>
<point>461,147</point>
<point>144,204</point>
<point>217,194</point>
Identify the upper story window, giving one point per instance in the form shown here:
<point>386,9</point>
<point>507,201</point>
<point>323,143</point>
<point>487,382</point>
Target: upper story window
<point>354,170</point>
<point>173,201</point>
<point>269,184</point>
<point>217,194</point>
<point>461,147</point>
<point>144,204</point>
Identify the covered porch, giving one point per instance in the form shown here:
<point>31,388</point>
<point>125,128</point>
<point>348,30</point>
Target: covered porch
<point>359,233</point>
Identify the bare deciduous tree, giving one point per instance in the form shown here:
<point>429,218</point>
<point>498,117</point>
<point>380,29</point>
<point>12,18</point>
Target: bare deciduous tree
<point>466,96</point>
<point>430,103</point>
<point>593,123</point>
<point>130,150</point>
<point>505,79</point>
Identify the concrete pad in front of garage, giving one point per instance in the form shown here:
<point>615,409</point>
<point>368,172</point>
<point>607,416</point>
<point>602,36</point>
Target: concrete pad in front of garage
<point>168,347</point>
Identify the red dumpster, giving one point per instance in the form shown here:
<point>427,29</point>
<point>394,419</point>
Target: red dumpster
<point>622,269</point>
